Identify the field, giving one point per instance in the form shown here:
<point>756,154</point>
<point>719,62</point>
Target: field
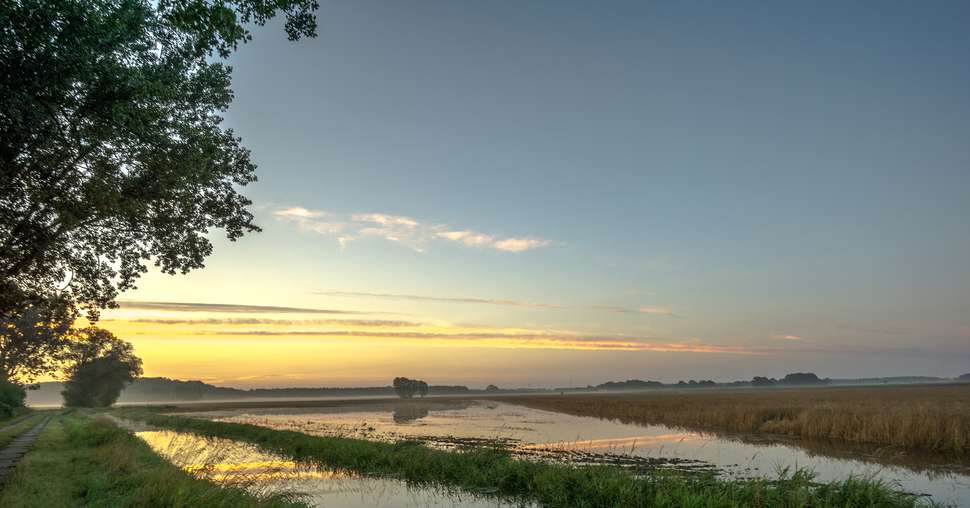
<point>935,417</point>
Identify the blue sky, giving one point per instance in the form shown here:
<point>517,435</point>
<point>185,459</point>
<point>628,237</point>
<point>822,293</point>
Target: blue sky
<point>731,174</point>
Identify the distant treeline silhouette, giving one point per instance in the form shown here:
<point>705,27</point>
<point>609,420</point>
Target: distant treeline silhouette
<point>170,390</point>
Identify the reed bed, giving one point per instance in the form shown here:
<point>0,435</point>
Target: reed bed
<point>933,417</point>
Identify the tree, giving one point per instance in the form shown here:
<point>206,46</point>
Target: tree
<point>491,388</point>
<point>112,152</point>
<point>33,339</point>
<point>802,378</point>
<point>101,366</point>
<point>408,388</point>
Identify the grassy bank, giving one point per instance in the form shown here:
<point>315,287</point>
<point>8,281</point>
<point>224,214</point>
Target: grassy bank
<point>915,417</point>
<point>493,472</point>
<point>83,461</point>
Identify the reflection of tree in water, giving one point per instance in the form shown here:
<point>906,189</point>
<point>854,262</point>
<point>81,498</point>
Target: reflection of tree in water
<point>407,413</point>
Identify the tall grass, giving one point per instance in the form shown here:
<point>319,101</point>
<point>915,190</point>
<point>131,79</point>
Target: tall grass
<point>916,417</point>
<point>490,471</point>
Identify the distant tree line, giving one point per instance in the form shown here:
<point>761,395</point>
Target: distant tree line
<point>795,378</point>
<point>696,384</point>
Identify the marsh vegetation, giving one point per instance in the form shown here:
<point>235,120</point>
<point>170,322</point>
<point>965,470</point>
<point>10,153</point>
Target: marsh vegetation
<point>494,472</point>
<point>931,417</point>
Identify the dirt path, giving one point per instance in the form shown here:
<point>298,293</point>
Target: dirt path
<point>11,455</point>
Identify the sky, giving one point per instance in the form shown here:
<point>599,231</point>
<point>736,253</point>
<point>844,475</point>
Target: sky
<point>566,193</point>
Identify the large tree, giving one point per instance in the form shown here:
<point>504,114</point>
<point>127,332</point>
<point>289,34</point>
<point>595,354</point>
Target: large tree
<point>100,367</point>
<point>112,151</point>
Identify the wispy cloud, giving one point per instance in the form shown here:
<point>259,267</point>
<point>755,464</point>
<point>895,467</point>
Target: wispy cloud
<point>400,229</point>
<point>501,302</point>
<point>786,337</point>
<point>420,298</point>
<point>366,323</point>
<point>508,340</point>
<point>226,307</point>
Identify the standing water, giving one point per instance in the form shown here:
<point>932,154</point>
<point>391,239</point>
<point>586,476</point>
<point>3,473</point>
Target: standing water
<point>232,463</point>
<point>533,433</point>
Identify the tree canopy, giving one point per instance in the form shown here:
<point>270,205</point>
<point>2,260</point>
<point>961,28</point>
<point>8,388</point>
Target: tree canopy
<point>112,152</point>
<point>408,388</point>
<point>33,339</point>
<point>113,156</point>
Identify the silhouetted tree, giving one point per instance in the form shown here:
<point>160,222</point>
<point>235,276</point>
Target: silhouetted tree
<point>408,388</point>
<point>101,366</point>
<point>491,388</point>
<point>33,339</point>
<point>112,152</point>
<point>802,378</point>
<point>762,381</point>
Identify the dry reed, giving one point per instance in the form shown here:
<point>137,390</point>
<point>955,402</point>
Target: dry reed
<point>916,417</point>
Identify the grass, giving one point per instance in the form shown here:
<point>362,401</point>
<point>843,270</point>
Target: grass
<point>17,427</point>
<point>84,461</point>
<point>490,471</point>
<point>914,417</point>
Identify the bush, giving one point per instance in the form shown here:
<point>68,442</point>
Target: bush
<point>12,397</point>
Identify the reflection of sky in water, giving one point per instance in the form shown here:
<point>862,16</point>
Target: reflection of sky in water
<point>533,427</point>
<point>228,462</point>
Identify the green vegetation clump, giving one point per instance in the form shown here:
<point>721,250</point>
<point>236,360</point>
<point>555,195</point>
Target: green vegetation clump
<point>12,397</point>
<point>83,461</point>
<point>479,470</point>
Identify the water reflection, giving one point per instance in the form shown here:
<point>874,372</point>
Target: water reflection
<point>546,435</point>
<point>408,413</point>
<point>232,463</point>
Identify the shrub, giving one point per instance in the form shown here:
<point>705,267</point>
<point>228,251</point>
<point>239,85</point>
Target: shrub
<point>12,396</point>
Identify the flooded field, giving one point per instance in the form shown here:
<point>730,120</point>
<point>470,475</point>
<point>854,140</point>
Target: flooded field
<point>543,435</point>
<point>228,462</point>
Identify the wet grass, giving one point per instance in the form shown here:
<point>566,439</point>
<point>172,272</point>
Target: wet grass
<point>489,471</point>
<point>933,418</point>
<point>84,461</point>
